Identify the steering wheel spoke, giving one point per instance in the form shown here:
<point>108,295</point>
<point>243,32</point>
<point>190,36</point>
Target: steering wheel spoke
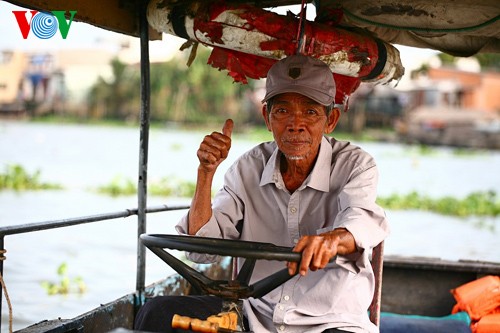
<point>232,290</point>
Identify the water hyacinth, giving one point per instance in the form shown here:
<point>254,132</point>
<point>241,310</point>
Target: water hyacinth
<point>484,203</point>
<point>17,178</point>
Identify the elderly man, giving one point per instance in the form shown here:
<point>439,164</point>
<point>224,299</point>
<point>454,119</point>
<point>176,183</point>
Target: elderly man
<point>303,190</point>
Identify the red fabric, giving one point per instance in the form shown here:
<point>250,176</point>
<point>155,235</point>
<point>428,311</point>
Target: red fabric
<point>241,66</point>
<point>322,41</point>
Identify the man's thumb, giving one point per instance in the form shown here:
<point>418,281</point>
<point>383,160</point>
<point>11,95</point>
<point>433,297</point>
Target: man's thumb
<point>227,129</point>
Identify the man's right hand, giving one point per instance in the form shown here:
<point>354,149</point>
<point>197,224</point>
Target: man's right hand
<point>215,147</point>
<point>213,150</point>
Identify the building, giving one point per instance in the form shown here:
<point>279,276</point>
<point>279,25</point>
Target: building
<point>12,67</point>
<point>35,83</point>
<point>448,106</point>
<point>450,87</point>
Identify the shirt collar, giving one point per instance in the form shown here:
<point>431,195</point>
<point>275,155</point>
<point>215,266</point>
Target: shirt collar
<point>271,170</point>
<point>319,178</point>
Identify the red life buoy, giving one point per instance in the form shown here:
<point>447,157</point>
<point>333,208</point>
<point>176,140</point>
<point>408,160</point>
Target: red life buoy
<point>247,40</point>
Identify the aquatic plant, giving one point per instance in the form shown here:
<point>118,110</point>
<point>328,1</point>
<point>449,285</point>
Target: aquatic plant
<point>17,178</point>
<point>173,187</point>
<point>118,186</point>
<point>65,285</point>
<point>168,186</point>
<point>484,203</point>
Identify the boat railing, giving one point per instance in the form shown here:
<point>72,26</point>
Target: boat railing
<point>62,223</point>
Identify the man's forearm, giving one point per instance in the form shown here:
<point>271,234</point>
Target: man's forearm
<point>201,205</point>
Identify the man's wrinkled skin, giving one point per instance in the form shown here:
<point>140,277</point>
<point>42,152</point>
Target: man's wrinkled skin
<point>298,124</point>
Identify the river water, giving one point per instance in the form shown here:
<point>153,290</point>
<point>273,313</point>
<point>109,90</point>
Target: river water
<point>81,158</point>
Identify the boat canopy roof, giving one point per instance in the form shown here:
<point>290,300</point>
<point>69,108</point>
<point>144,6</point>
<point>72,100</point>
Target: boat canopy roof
<point>456,27</point>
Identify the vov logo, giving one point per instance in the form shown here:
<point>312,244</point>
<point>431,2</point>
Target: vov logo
<point>44,25</point>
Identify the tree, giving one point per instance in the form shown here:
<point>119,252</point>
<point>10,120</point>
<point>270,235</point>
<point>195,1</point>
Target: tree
<point>194,94</point>
<point>487,61</point>
<point>111,99</point>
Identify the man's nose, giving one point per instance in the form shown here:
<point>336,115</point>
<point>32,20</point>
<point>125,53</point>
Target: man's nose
<point>296,121</point>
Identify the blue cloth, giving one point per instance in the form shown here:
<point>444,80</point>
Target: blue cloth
<point>396,323</point>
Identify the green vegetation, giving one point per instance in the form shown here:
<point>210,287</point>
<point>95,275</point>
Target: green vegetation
<point>484,203</point>
<point>172,187</point>
<point>467,152</point>
<point>119,186</point>
<point>168,186</point>
<point>17,178</point>
<point>197,94</point>
<point>475,204</point>
<point>487,61</point>
<point>425,150</point>
<point>65,285</point>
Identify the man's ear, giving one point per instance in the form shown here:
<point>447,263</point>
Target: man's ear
<point>265,114</point>
<point>333,119</point>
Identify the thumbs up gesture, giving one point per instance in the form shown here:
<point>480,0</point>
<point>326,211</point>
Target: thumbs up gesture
<point>215,147</point>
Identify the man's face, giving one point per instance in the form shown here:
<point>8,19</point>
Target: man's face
<point>298,124</point>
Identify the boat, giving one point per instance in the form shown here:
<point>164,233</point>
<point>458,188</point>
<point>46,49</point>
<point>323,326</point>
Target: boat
<point>425,284</point>
<point>409,286</point>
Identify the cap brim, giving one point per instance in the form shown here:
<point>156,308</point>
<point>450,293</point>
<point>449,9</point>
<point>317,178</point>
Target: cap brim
<point>313,94</point>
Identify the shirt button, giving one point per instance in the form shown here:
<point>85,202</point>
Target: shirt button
<point>295,240</point>
<point>281,307</point>
<point>293,210</point>
<point>282,327</point>
<point>286,297</point>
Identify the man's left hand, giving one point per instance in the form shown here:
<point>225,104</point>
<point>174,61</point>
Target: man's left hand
<point>318,250</point>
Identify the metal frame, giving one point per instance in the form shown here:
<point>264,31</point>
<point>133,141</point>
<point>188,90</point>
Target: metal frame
<point>143,147</point>
<point>142,209</point>
<point>55,224</point>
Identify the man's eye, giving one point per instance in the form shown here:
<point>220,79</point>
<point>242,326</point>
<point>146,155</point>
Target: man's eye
<point>312,112</point>
<point>280,111</point>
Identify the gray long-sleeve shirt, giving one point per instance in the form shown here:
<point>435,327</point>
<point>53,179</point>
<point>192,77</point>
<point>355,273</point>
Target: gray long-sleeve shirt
<point>340,192</point>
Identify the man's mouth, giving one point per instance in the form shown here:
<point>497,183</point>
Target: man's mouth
<point>296,141</point>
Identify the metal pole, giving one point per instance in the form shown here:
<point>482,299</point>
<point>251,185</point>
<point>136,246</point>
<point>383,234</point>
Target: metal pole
<point>2,258</point>
<point>143,150</point>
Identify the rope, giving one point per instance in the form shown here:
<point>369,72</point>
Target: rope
<point>4,288</point>
<point>300,40</point>
<point>420,29</point>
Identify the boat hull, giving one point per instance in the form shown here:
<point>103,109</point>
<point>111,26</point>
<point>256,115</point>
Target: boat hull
<point>411,286</point>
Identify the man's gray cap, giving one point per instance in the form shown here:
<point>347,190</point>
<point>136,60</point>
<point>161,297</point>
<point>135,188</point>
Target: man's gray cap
<point>304,75</point>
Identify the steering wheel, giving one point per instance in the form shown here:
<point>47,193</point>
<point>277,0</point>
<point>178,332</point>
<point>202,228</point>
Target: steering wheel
<point>229,290</point>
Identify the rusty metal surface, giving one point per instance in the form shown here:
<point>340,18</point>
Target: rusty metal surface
<point>119,313</point>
